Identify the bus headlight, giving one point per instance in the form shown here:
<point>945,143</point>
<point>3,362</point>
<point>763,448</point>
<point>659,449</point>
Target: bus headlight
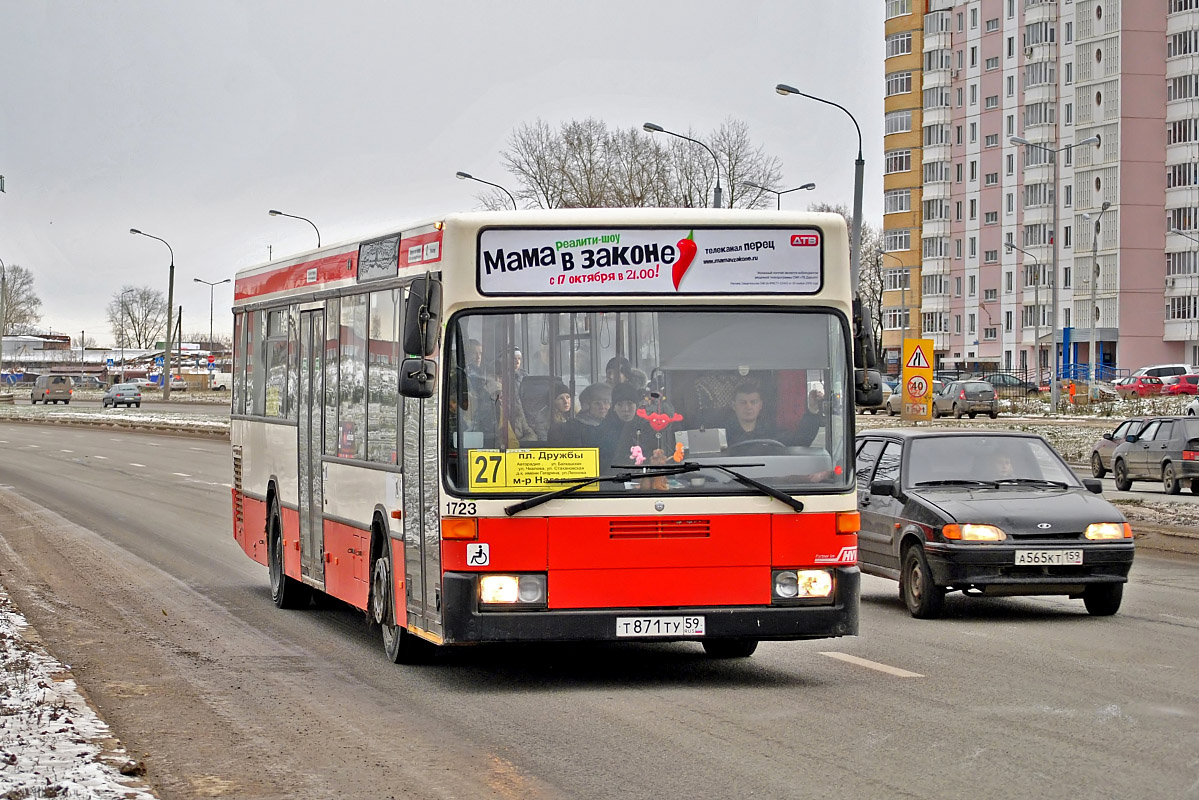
<point>525,591</point>
<point>801,584</point>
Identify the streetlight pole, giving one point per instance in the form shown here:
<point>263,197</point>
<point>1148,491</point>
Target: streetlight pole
<point>777,194</point>
<point>210,285</point>
<point>122,334</point>
<point>1054,389</point>
<point>3,310</point>
<point>166,382</point>
<point>275,213</point>
<point>1092,390</point>
<point>1037,317</point>
<point>466,176</point>
<point>650,127</point>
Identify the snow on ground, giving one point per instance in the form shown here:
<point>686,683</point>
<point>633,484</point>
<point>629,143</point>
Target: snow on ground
<point>148,417</point>
<point>52,744</point>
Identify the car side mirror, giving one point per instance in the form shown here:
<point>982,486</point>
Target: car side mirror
<point>1094,485</point>
<point>1131,438</point>
<point>418,377</point>
<point>1107,436</point>
<point>884,488</point>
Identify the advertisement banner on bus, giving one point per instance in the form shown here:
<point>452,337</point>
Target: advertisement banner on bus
<point>650,261</point>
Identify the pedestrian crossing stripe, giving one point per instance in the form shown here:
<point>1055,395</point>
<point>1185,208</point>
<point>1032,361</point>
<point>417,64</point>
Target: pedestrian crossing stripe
<point>917,360</point>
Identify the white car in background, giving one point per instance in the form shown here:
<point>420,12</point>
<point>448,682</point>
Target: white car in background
<point>894,403</point>
<point>1193,408</point>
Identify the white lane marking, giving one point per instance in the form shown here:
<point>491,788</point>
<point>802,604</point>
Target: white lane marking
<point>66,451</point>
<point>136,465</point>
<point>102,458</point>
<point>862,662</point>
<point>181,474</point>
<point>34,446</point>
<point>198,449</point>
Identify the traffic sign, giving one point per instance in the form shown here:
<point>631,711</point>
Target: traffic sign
<point>110,362</point>
<point>917,379</point>
<point>158,360</point>
<point>211,358</point>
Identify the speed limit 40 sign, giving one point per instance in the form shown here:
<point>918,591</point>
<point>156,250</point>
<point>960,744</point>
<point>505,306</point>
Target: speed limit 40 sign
<point>917,379</point>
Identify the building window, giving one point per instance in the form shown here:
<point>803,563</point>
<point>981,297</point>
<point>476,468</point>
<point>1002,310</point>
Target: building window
<point>973,247</point>
<point>1011,85</point>
<point>991,140</point>
<point>1068,113</point>
<point>1007,283</point>
<point>973,18</point>
<point>1011,203</point>
<point>1066,232</point>
<point>991,102</point>
<point>1011,164</point>
<point>899,44</point>
<point>1068,196</point>
<point>957,323</point>
<point>973,57</point>
<point>896,201</point>
<point>957,253</point>
<point>1011,8</point>
<point>970,323</point>
<point>973,210</point>
<point>973,132</point>
<point>991,218</point>
<point>974,94</point>
<point>957,211</point>
<point>894,241</point>
<point>958,170</point>
<point>895,319</point>
<point>898,122</point>
<point>898,8</point>
<point>957,286</point>
<point>1007,321</point>
<point>897,279</point>
<point>991,257</point>
<point>992,25</point>
<point>1011,47</point>
<point>973,170</point>
<point>991,63</point>
<point>936,172</point>
<point>1069,32</point>
<point>899,83</point>
<point>991,179</point>
<point>898,161</point>
<point>991,334</point>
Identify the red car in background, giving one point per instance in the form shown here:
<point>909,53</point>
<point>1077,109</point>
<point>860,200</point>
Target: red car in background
<point>1139,386</point>
<point>1184,384</point>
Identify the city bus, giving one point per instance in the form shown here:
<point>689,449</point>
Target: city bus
<point>560,425</point>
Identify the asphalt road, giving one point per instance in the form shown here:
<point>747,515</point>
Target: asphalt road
<point>118,549</point>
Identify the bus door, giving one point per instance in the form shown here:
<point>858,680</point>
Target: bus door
<point>311,432</point>
<point>422,521</point>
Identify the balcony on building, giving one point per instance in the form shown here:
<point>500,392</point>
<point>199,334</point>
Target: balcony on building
<point>938,227</point>
<point>934,303</point>
<point>937,190</point>
<point>1039,11</point>
<point>936,266</point>
<point>1181,330</point>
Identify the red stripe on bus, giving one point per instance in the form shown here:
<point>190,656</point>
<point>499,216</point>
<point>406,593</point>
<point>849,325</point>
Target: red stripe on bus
<point>639,542</point>
<point>254,529</point>
<point>330,268</point>
<point>659,586</point>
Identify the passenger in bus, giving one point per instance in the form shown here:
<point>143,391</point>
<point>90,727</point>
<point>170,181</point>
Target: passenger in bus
<point>474,358</point>
<point>553,416</point>
<point>584,430</point>
<point>625,400</point>
<point>618,370</point>
<point>814,418</point>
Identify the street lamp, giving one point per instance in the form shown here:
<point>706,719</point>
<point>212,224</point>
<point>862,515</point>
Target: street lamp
<point>3,310</point>
<point>466,176</point>
<point>275,213</point>
<point>170,350</point>
<point>121,301</point>
<point>1092,389</point>
<point>778,195</point>
<point>1037,317</point>
<point>650,127</point>
<point>1054,389</point>
<point>210,285</point>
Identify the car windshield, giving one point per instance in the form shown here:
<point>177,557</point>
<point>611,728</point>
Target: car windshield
<point>538,397</point>
<point>1003,459</point>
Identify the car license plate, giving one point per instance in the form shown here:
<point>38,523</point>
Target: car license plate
<point>1048,558</point>
<point>659,626</point>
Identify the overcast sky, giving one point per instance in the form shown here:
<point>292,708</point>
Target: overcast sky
<point>189,120</point>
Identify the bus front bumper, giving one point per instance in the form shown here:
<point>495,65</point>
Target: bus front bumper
<point>465,622</point>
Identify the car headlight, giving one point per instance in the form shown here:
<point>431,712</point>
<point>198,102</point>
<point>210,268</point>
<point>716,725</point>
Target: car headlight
<point>523,591</point>
<point>973,533</point>
<point>1108,530</point>
<point>800,584</point>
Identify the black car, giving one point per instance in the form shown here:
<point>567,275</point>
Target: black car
<point>988,513</point>
<point>1165,449</point>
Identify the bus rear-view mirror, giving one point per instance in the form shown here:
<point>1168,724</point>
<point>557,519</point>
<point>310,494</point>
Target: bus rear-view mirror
<point>868,387</point>
<point>418,377</point>
<point>422,318</point>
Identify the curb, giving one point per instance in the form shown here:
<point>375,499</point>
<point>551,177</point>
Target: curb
<point>129,427</point>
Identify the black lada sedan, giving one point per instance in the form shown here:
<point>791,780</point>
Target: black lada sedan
<point>988,513</point>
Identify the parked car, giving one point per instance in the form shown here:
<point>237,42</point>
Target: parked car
<point>178,384</point>
<point>1193,408</point>
<point>1007,385</point>
<point>1138,386</point>
<point>966,397</point>
<point>1101,452</point>
<point>992,513</point>
<point>894,404</point>
<point>122,394</point>
<point>1182,384</point>
<point>52,389</point>
<point>143,383</point>
<point>1162,370</point>
<point>1165,449</point>
<point>221,381</point>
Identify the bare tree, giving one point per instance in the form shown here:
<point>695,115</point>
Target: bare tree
<point>870,274</point>
<point>137,316</point>
<point>584,164</point>
<point>22,306</point>
<point>89,341</point>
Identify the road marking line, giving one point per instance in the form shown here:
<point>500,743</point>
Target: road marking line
<point>198,449</point>
<point>102,458</point>
<point>181,474</point>
<point>862,662</point>
<point>34,446</point>
<point>137,465</point>
<point>66,451</point>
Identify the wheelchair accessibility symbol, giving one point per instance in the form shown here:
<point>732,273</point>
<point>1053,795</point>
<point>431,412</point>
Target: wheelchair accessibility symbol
<point>478,555</point>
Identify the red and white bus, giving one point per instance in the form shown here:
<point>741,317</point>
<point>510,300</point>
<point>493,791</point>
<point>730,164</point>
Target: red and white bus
<point>599,424</point>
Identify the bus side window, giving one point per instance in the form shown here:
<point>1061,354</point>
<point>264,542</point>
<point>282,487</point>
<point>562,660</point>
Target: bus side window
<point>351,406</point>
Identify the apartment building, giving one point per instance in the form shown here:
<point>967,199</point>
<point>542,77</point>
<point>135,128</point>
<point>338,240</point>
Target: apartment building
<point>1084,84</point>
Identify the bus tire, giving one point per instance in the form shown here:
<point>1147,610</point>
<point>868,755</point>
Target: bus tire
<point>285,592</point>
<point>400,646</point>
<point>730,648</point>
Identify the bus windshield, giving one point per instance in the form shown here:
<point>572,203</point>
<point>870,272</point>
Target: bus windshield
<point>537,399</point>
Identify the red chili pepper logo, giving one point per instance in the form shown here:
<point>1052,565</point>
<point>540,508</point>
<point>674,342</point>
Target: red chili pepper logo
<point>687,250</point>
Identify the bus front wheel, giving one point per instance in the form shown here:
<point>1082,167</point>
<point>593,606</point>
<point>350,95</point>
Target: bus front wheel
<point>400,646</point>
<point>730,648</point>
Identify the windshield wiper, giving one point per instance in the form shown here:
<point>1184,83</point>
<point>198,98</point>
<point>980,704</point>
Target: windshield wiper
<point>1034,482</point>
<point>955,482</point>
<point>582,483</point>
<point>745,480</point>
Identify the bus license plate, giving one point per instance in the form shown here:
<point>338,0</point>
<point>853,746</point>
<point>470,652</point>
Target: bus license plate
<point>1048,558</point>
<point>659,626</point>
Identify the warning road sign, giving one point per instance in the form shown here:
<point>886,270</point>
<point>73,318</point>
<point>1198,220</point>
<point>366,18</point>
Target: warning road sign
<point>917,360</point>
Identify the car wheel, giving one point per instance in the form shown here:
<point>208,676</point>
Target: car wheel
<point>1103,599</point>
<point>285,592</point>
<point>400,646</point>
<point>66,402</point>
<point>139,405</point>
<point>730,648</point>
<point>1170,480</point>
<point>1194,485</point>
<point>993,414</point>
<point>32,402</point>
<point>924,599</point>
<point>1097,468</point>
<point>973,415</point>
<point>957,412</point>
<point>891,409</point>
<point>1122,481</point>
